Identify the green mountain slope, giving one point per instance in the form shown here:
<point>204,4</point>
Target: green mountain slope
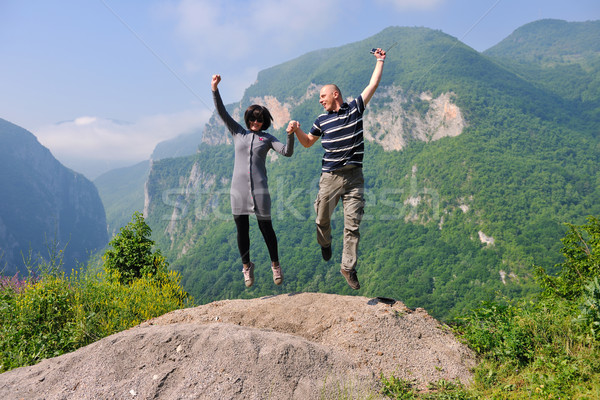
<point>549,41</point>
<point>560,56</point>
<point>448,223</point>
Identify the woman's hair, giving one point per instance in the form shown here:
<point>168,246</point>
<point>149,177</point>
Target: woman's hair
<point>260,113</point>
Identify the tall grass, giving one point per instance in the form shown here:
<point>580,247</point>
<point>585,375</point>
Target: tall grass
<point>52,314</point>
<point>543,349</point>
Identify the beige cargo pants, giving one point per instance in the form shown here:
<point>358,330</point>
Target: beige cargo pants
<point>346,184</point>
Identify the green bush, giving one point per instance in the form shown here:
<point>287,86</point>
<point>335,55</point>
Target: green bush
<point>581,252</point>
<point>546,348</point>
<point>37,322</point>
<point>500,332</point>
<point>590,308</point>
<point>59,314</point>
<point>55,314</point>
<point>131,255</point>
<point>402,389</point>
<point>112,307</point>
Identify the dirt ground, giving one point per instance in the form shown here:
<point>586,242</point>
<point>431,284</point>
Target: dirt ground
<point>290,346</point>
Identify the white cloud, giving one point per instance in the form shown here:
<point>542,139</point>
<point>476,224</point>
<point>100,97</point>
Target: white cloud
<point>96,138</point>
<point>243,37</point>
<point>85,121</point>
<point>412,5</point>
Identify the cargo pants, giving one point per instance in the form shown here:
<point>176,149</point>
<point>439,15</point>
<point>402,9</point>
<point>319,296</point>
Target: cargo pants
<point>346,184</point>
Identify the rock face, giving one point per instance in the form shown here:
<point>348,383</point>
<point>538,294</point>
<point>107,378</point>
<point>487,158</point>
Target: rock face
<point>398,120</point>
<point>44,207</point>
<point>292,346</point>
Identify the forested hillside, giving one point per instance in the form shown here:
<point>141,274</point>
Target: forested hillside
<point>450,219</point>
<point>557,55</point>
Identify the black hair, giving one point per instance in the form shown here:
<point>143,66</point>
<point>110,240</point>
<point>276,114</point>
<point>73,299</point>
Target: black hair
<point>260,113</point>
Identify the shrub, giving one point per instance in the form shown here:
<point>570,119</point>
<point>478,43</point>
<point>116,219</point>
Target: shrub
<point>55,314</point>
<point>112,307</point>
<point>58,314</point>
<point>500,332</point>
<point>590,308</point>
<point>581,251</point>
<point>545,348</point>
<point>38,322</point>
<point>131,255</point>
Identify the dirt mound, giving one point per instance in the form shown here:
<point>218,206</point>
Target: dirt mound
<point>292,346</point>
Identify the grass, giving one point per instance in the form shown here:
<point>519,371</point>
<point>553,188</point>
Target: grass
<point>48,314</point>
<point>534,350</point>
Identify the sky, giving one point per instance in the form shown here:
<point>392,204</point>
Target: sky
<point>101,82</point>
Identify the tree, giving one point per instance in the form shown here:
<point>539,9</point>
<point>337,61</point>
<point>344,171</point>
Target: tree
<point>131,255</point>
<point>581,250</point>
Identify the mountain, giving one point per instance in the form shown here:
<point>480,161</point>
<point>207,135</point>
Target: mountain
<point>551,42</point>
<point>45,208</point>
<point>182,145</point>
<point>560,56</point>
<point>122,189</point>
<point>122,193</point>
<point>472,168</point>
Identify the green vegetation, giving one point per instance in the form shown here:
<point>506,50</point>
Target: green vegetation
<point>543,349</point>
<point>561,57</point>
<point>131,256</point>
<point>49,314</point>
<point>548,348</point>
<point>400,389</point>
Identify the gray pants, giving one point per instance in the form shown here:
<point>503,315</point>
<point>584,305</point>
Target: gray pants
<point>346,184</point>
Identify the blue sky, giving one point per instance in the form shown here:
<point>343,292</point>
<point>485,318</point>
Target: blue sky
<point>103,81</point>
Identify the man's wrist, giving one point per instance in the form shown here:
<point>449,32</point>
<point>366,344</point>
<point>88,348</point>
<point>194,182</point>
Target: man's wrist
<point>381,59</point>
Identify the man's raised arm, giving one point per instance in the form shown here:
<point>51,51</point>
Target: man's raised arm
<point>369,91</point>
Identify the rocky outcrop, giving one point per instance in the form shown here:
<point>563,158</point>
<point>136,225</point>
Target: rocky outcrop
<point>394,119</point>
<point>46,209</point>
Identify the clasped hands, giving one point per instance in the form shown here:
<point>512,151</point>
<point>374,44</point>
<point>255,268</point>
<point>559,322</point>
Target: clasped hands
<point>292,127</point>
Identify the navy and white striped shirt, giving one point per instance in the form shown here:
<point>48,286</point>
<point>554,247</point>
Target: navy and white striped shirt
<point>341,135</point>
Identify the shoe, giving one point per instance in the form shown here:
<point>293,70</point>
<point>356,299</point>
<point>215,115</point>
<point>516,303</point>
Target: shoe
<point>248,274</point>
<point>277,274</point>
<point>351,278</point>
<point>326,253</point>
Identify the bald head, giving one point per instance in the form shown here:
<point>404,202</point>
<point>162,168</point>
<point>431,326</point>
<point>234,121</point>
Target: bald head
<point>333,88</point>
<point>330,97</point>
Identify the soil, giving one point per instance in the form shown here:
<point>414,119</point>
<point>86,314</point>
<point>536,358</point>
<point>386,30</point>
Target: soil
<point>290,346</point>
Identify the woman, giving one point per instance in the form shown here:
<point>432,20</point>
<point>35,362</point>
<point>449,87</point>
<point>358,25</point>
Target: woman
<point>249,189</point>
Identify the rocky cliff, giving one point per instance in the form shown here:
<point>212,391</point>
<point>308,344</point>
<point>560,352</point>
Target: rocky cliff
<point>46,209</point>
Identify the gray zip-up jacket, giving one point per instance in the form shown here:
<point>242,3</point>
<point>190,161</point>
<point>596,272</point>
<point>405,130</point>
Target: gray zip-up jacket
<point>249,187</point>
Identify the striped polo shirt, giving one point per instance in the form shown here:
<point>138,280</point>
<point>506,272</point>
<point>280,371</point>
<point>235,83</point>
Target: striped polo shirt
<point>341,135</point>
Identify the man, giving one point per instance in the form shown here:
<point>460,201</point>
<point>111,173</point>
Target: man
<point>341,131</point>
